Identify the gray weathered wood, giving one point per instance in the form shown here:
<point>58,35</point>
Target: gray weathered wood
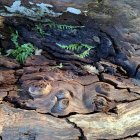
<point>18,124</point>
<point>110,126</point>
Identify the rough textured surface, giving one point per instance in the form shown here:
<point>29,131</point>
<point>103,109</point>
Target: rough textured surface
<point>120,19</point>
<point>18,124</point>
<point>7,77</point>
<point>8,63</point>
<point>111,126</point>
<point>62,92</point>
<point>41,85</point>
<point>43,8</point>
<point>48,89</point>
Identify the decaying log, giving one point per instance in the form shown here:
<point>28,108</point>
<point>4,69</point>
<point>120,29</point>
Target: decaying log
<point>110,126</point>
<point>122,26</point>
<point>103,89</point>
<point>52,90</point>
<point>40,8</point>
<point>8,63</point>
<point>83,36</point>
<point>7,77</point>
<point>18,124</point>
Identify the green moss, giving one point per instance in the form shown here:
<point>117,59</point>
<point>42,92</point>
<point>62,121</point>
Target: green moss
<point>21,52</point>
<point>62,26</point>
<point>78,47</point>
<point>39,28</point>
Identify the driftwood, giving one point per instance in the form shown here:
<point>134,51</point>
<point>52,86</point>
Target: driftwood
<point>93,98</point>
<point>18,124</point>
<point>47,89</point>
<point>113,126</point>
<point>51,90</point>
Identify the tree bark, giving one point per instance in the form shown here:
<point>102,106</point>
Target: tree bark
<point>85,98</point>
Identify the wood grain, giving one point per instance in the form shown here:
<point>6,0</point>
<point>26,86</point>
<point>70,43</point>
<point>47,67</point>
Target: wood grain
<point>111,126</point>
<point>18,124</point>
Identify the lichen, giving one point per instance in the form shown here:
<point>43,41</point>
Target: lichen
<point>73,10</point>
<point>39,10</point>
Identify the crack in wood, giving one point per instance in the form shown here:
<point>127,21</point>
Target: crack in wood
<point>82,137</point>
<point>71,91</point>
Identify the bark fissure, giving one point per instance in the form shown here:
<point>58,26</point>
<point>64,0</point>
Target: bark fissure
<point>82,137</point>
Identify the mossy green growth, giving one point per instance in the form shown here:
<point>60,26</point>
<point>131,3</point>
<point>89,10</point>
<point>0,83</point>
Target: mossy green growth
<point>52,24</point>
<point>21,52</point>
<point>78,47</point>
<point>40,30</point>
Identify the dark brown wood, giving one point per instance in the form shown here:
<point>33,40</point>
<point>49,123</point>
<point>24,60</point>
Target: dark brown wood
<point>52,90</point>
<point>8,63</point>
<point>60,93</point>
<point>7,77</point>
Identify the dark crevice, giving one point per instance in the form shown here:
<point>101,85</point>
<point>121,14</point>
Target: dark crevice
<point>49,114</point>
<point>100,77</point>
<point>1,138</point>
<point>82,137</point>
<point>58,116</point>
<point>111,82</point>
<point>18,105</point>
<point>131,136</point>
<point>138,67</point>
<point>112,40</point>
<point>136,49</point>
<point>70,114</point>
<point>123,102</point>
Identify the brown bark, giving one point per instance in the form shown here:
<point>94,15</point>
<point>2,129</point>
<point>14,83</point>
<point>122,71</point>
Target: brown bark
<point>8,63</point>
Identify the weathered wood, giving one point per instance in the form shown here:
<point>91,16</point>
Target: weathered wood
<point>40,8</point>
<point>8,63</point>
<point>103,49</point>
<point>52,90</point>
<point>122,26</point>
<point>118,82</point>
<point>110,126</point>
<point>18,124</point>
<point>7,77</point>
<point>49,44</point>
<point>47,89</point>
